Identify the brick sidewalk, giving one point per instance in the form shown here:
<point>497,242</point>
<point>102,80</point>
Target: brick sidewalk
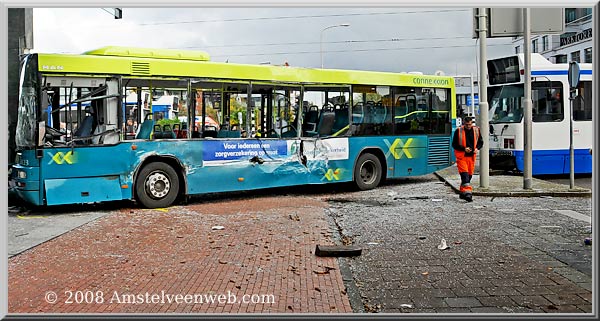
<point>266,248</point>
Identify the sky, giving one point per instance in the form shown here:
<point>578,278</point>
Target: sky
<point>380,39</point>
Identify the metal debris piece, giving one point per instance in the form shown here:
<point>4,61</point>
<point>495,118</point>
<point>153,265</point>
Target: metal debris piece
<point>406,306</point>
<point>217,228</point>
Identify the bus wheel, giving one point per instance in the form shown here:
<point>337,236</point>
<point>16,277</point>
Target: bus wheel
<point>367,172</point>
<point>157,185</point>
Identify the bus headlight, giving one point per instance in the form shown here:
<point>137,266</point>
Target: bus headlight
<point>22,174</point>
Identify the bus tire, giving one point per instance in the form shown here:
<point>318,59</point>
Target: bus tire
<point>367,172</point>
<point>157,185</point>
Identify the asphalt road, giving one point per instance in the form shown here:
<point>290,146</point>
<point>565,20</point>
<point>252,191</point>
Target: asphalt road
<point>506,254</point>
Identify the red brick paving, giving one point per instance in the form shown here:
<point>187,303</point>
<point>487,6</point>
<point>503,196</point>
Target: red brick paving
<point>263,250</point>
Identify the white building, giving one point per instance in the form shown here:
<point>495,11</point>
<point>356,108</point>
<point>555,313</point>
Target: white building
<point>575,44</point>
<point>465,86</point>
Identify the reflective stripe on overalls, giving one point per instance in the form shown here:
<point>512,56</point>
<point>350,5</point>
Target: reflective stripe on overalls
<point>462,138</point>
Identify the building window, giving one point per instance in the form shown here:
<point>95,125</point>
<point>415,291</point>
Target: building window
<point>561,59</point>
<point>545,43</point>
<point>570,15</point>
<point>534,46</point>
<point>575,56</point>
<point>517,49</point>
<point>587,55</point>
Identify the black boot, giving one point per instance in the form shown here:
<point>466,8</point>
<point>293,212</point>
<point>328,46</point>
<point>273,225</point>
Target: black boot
<point>469,197</point>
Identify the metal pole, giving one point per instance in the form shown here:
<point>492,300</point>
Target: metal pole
<point>321,43</point>
<point>484,153</point>
<point>571,150</point>
<point>527,113</point>
<point>472,111</point>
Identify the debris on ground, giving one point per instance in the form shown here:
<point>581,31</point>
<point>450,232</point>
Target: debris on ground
<point>337,250</point>
<point>372,308</point>
<point>457,242</point>
<point>293,269</point>
<point>372,243</point>
<point>436,199</point>
<point>347,240</point>
<point>406,306</point>
<point>294,217</point>
<point>422,237</point>
<point>326,271</point>
<point>587,241</point>
<point>443,245</point>
<point>217,228</point>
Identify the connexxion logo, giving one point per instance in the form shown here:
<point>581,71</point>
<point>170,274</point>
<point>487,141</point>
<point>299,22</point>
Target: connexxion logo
<point>426,81</point>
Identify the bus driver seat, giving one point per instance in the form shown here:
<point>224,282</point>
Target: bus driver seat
<point>86,128</point>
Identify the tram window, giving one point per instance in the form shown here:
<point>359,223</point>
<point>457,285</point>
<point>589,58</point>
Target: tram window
<point>548,101</point>
<point>582,104</point>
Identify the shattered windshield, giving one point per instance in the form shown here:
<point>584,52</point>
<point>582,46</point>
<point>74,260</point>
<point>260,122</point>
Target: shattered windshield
<point>505,104</point>
<point>26,122</point>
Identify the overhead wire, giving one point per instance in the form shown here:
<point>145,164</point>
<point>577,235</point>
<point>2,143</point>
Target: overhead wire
<point>352,50</point>
<point>299,17</point>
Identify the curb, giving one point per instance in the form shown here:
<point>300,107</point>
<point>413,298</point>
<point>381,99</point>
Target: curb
<point>518,193</point>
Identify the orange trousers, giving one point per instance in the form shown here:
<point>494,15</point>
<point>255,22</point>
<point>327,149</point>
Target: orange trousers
<point>466,168</point>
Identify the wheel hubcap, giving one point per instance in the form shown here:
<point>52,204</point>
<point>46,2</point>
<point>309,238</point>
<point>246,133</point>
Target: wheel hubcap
<point>157,185</point>
<point>368,172</point>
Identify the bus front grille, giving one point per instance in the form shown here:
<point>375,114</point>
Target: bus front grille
<point>439,151</point>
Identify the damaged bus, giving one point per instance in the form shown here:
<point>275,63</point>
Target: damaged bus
<point>278,126</point>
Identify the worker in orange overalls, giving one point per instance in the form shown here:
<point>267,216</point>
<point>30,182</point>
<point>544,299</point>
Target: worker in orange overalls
<point>466,142</point>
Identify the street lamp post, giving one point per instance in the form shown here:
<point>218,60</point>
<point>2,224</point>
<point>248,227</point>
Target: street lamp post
<point>321,42</point>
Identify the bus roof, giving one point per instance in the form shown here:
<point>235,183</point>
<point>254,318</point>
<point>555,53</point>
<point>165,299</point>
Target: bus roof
<point>150,53</point>
<point>143,63</point>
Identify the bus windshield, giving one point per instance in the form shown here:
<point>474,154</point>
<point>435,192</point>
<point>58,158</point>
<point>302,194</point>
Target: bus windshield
<point>25,133</point>
<point>505,104</point>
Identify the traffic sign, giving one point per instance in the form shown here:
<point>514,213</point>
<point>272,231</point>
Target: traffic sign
<point>574,73</point>
<point>469,100</point>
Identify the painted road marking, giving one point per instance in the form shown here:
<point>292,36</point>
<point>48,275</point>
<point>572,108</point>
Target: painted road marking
<point>575,215</point>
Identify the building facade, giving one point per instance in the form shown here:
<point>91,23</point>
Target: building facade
<point>575,44</point>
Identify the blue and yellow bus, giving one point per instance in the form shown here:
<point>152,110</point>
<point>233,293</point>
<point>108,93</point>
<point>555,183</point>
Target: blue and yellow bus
<point>279,126</point>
